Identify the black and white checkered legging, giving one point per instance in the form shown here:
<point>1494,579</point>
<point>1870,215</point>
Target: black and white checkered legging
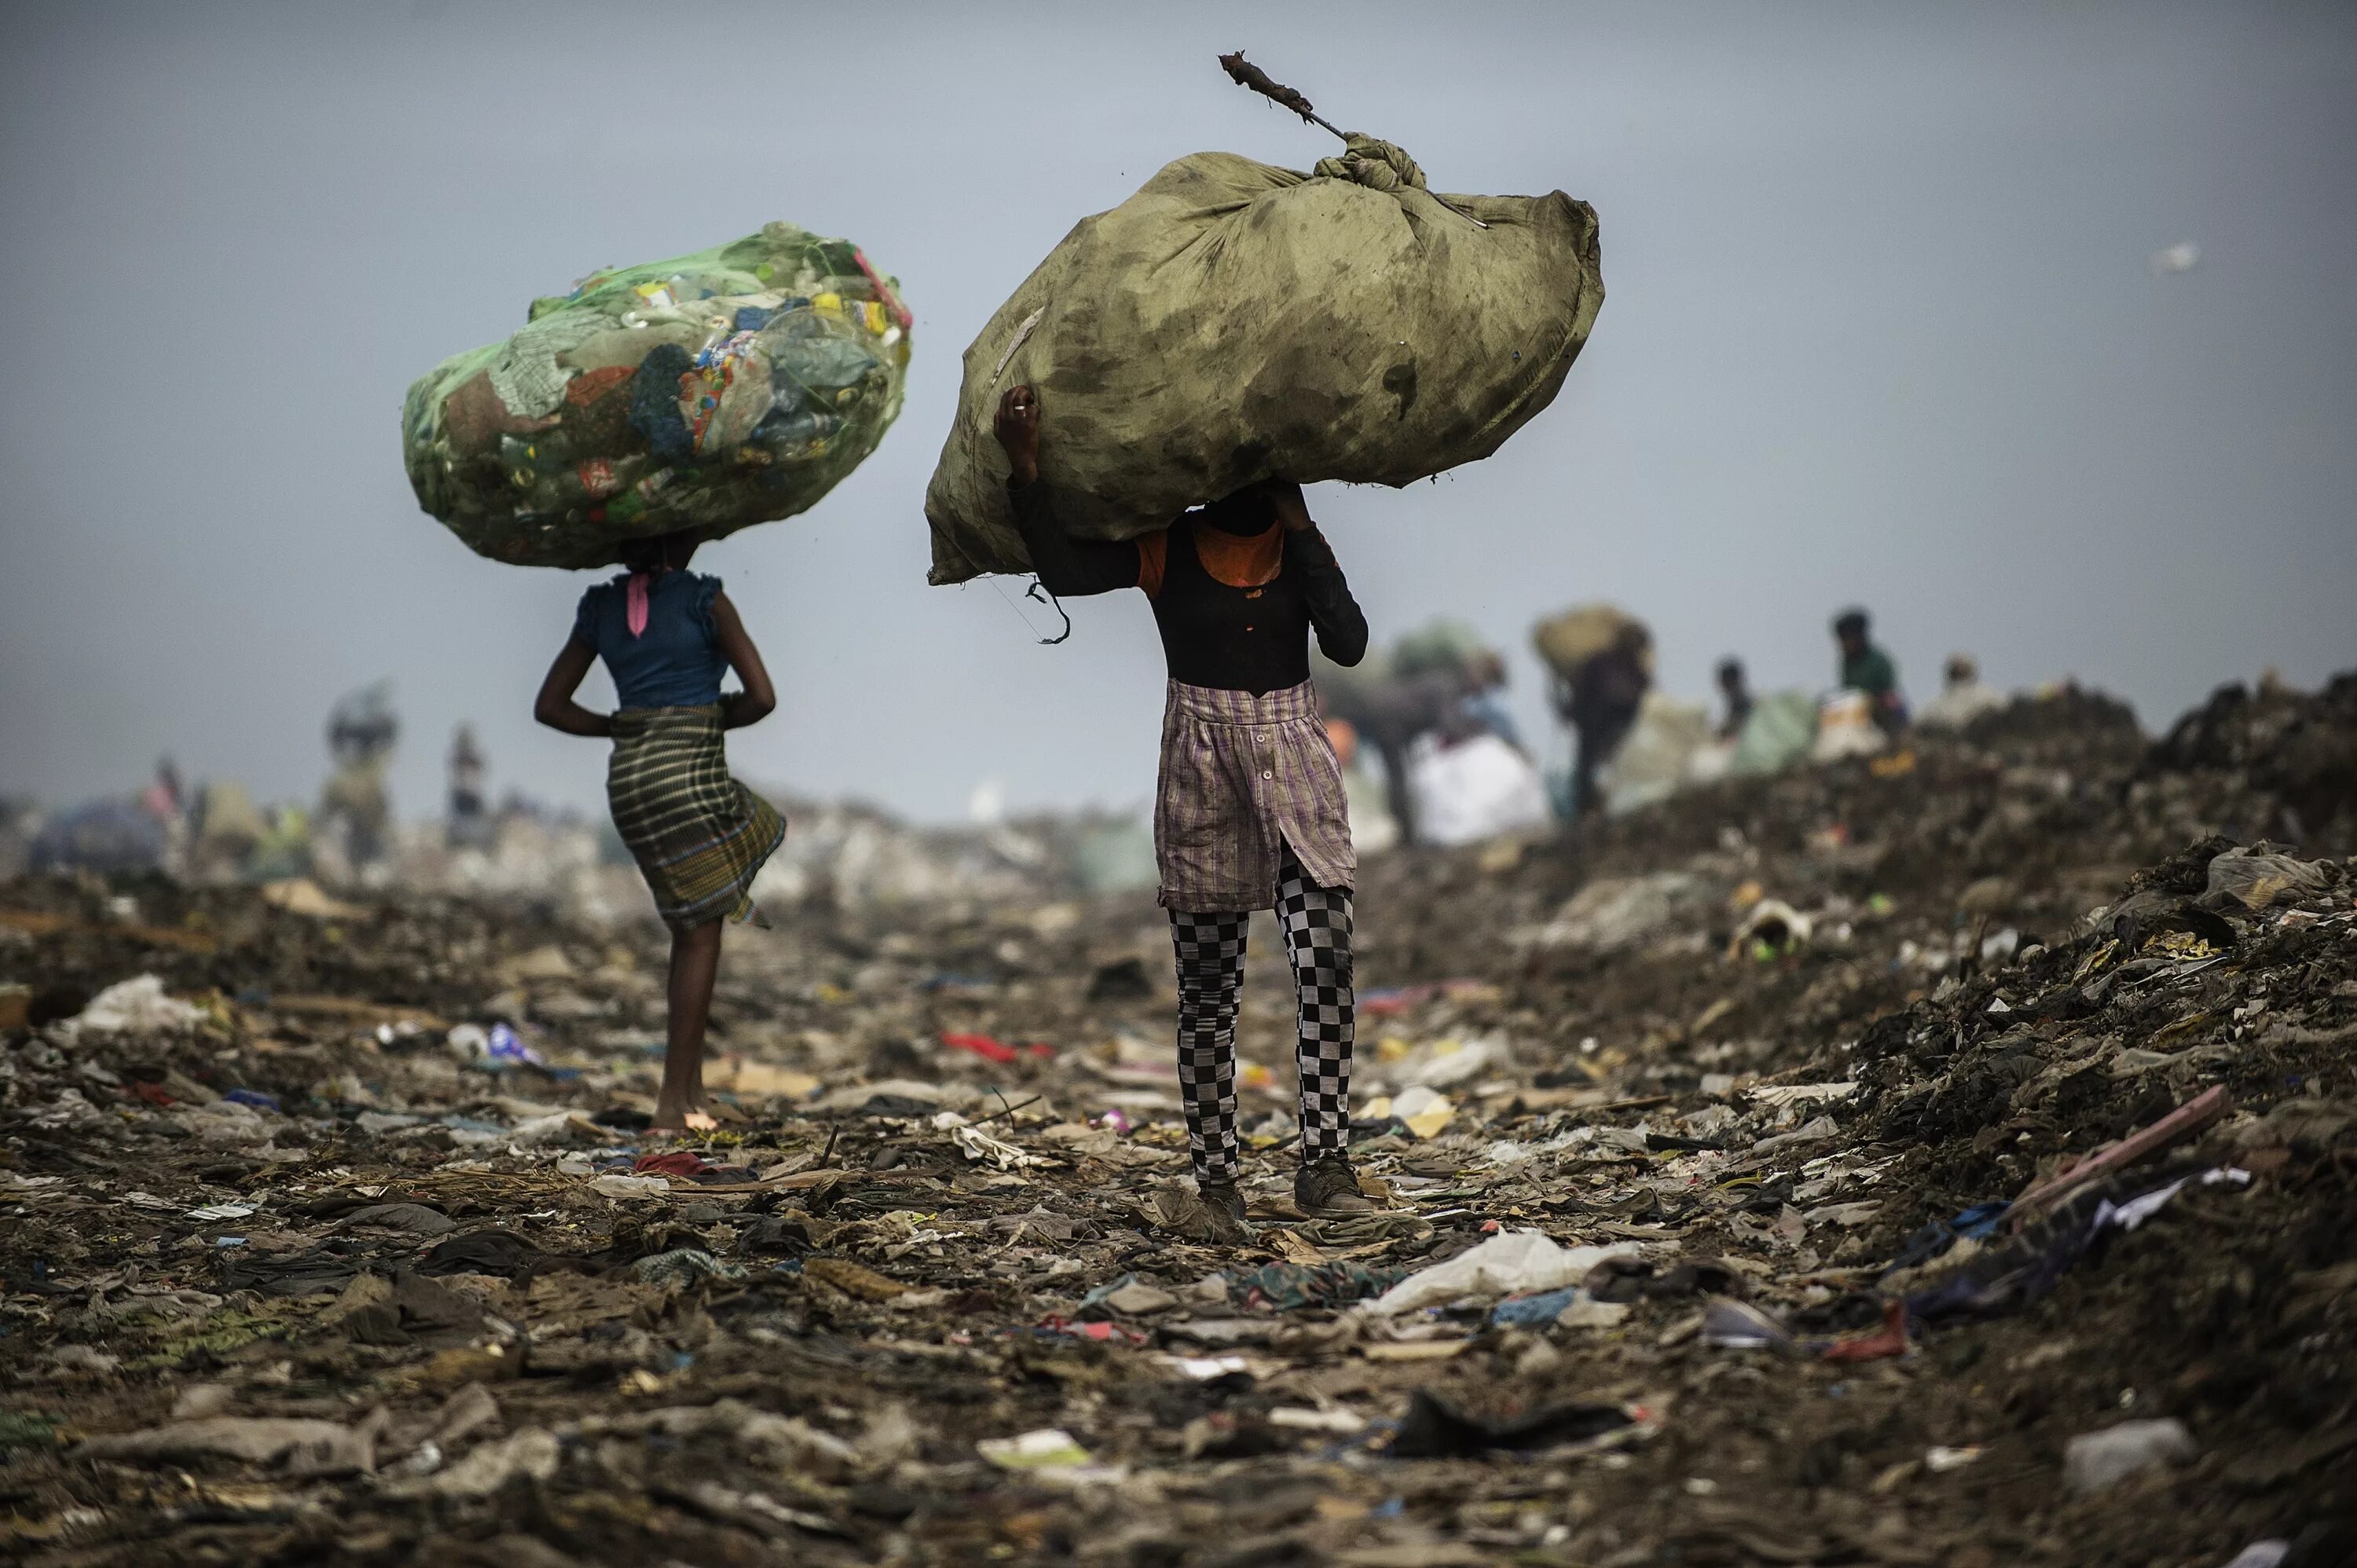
<point>1210,950</point>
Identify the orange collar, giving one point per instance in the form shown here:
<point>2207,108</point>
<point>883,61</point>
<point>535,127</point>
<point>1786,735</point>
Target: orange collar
<point>1239,561</point>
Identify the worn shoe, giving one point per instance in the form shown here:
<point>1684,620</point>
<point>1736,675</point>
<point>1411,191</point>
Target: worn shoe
<point>1223,1197</point>
<point>1327,1189</point>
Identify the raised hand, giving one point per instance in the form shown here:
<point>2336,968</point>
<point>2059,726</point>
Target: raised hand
<point>1285,500</point>
<point>1017,429</point>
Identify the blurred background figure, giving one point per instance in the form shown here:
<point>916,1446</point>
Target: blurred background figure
<point>1736,690</point>
<point>355,809</point>
<point>1482,709</point>
<point>1962,697</point>
<point>143,832</point>
<point>1599,660</point>
<point>470,820</point>
<point>228,830</point>
<point>166,799</point>
<point>1372,827</point>
<point>1439,683</point>
<point>1866,669</point>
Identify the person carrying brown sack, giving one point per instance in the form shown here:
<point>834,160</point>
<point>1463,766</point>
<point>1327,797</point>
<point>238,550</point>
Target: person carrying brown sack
<point>1249,811</point>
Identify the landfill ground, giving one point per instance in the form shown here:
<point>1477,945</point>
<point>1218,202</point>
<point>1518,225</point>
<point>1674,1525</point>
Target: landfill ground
<point>293,1274</point>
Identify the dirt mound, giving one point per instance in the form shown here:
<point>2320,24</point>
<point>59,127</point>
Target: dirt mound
<point>2296,747</point>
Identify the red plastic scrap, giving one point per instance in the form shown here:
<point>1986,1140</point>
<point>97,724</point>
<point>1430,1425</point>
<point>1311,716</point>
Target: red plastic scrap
<point>1387,1001</point>
<point>153,1093</point>
<point>992,1050</point>
<point>1102,1333</point>
<point>983,1046</point>
<point>1890,1340</point>
<point>678,1162</point>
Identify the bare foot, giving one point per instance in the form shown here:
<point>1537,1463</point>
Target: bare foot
<point>675,1116</point>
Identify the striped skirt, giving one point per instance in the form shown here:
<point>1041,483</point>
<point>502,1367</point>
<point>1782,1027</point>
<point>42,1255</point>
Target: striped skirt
<point>1243,775</point>
<point>699,836</point>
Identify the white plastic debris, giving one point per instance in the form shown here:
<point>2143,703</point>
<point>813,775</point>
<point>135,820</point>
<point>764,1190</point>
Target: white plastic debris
<point>1776,924</point>
<point>977,1145</point>
<point>1204,1369</point>
<point>1513,1264</point>
<point>2096,1461</point>
<point>1046,1449</point>
<point>1444,1064</point>
<point>1783,1094</point>
<point>631,1187</point>
<point>2261,1555</point>
<point>1048,1456</point>
<point>534,1452</point>
<point>136,1007</point>
<point>540,1129</point>
<point>1298,1418</point>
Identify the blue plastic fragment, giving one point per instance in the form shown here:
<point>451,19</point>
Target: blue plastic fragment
<point>1980,1221</point>
<point>1533,1311</point>
<point>505,1046</point>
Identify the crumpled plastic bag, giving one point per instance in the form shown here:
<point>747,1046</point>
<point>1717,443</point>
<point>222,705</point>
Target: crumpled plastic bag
<point>1514,1264</point>
<point>136,1007</point>
<point>2255,880</point>
<point>977,1145</point>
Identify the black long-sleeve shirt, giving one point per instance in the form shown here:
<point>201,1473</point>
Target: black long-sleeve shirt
<point>1235,611</point>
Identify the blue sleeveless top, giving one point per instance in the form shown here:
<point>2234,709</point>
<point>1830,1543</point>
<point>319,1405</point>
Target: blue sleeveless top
<point>676,662</point>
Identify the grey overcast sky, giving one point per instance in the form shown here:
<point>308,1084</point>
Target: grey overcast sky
<point>1880,327</point>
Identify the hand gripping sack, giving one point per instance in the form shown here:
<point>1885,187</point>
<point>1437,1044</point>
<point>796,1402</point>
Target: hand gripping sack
<point>1233,322</point>
<point>706,392</point>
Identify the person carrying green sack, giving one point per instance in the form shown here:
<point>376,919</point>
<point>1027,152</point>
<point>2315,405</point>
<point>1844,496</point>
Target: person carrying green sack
<point>699,836</point>
<point>1248,811</point>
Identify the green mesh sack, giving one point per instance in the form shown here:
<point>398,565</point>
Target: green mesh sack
<point>1233,322</point>
<point>706,392</point>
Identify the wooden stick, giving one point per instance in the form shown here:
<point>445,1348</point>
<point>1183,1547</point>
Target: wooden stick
<point>1243,73</point>
<point>2188,1121</point>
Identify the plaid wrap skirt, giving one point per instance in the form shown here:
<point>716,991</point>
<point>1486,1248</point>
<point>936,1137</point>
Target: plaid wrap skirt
<point>699,836</point>
<point>1242,777</point>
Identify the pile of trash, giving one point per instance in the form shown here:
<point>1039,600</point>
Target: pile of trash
<point>1946,1163</point>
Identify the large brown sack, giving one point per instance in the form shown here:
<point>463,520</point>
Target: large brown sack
<point>1234,322</point>
<point>1570,639</point>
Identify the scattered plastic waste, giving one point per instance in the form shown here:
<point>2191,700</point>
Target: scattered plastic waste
<point>782,1334</point>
